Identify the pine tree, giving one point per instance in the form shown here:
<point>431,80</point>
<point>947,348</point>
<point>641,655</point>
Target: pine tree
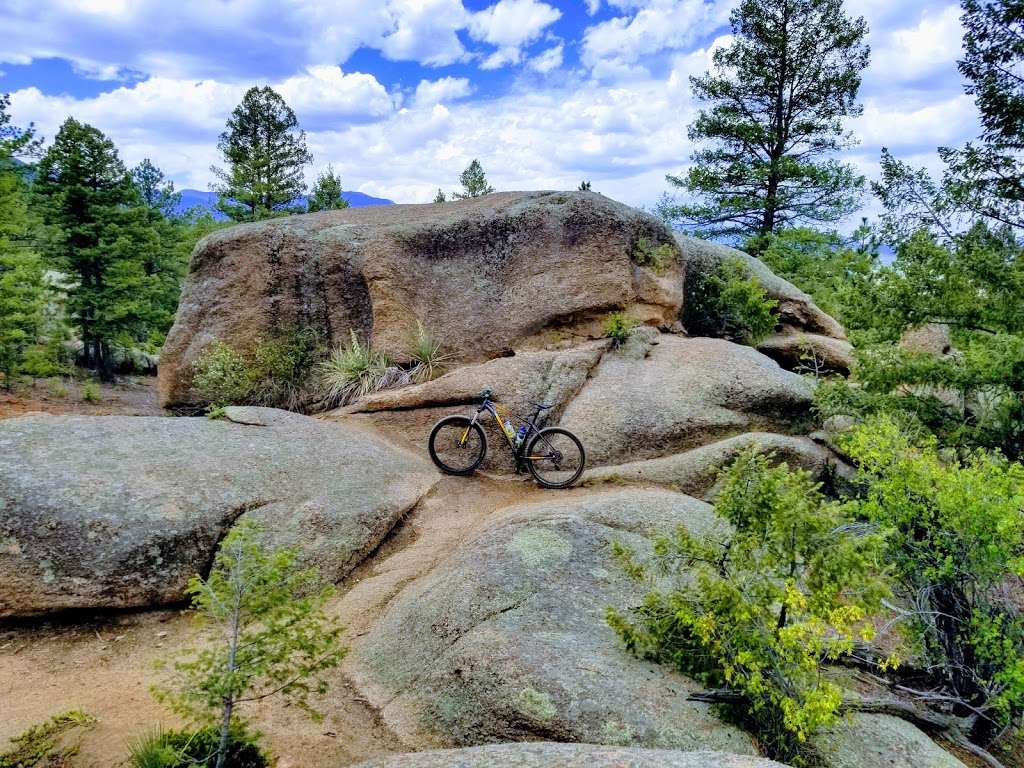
<point>987,178</point>
<point>107,243</point>
<point>265,152</point>
<point>777,100</point>
<point>326,193</point>
<point>155,189</point>
<point>22,283</point>
<point>440,197</point>
<point>474,182</point>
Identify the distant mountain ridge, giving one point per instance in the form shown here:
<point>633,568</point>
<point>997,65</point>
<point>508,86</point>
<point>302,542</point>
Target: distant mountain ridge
<point>195,198</point>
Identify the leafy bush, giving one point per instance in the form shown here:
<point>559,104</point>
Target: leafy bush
<point>955,536</point>
<point>191,749</point>
<point>426,353</point>
<point>618,327</point>
<point>275,371</point>
<point>760,609</point>
<point>221,376</point>
<point>729,303</point>
<point>41,745</point>
<point>655,257</point>
<point>267,635</point>
<point>355,370</point>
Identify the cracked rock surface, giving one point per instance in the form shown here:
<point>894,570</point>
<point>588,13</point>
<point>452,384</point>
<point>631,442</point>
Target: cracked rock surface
<point>506,638</point>
<point>119,512</point>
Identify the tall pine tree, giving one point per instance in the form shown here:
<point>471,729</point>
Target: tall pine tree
<point>777,100</point>
<point>22,285</point>
<point>101,236</point>
<point>265,152</point>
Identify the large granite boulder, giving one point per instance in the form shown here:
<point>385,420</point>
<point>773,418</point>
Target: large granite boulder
<point>797,310</point>
<point>506,639</point>
<point>880,741</point>
<point>507,270</point>
<point>118,512</point>
<point>680,393</point>
<point>551,755</point>
<point>695,472</point>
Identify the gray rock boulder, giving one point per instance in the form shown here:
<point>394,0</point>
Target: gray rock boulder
<point>797,310</point>
<point>506,639</point>
<point>550,755</point>
<point>119,512</point>
<point>809,353</point>
<point>694,472</point>
<point>684,393</point>
<point>880,741</point>
<point>506,270</point>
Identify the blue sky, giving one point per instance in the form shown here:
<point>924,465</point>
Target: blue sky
<point>399,95</point>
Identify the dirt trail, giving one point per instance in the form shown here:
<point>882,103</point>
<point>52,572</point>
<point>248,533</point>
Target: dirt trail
<point>104,665</point>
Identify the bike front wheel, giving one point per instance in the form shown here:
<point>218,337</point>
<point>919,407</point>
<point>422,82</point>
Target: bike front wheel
<point>556,457</point>
<point>457,445</point>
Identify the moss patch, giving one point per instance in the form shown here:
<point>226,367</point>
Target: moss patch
<point>541,547</point>
<point>536,705</point>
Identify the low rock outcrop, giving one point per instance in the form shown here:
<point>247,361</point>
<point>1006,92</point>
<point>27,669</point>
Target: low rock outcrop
<point>506,639</point>
<point>117,512</point>
<point>552,755</point>
<point>681,393</point>
<point>502,271</point>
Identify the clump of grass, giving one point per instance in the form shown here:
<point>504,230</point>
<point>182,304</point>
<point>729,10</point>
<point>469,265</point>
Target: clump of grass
<point>618,327</point>
<point>91,392</point>
<point>193,749</point>
<point>41,745</point>
<point>655,257</point>
<point>425,351</point>
<point>57,389</point>
<point>357,369</point>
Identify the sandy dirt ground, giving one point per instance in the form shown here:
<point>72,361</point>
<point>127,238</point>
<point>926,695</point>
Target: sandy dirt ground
<point>104,665</point>
<point>129,396</point>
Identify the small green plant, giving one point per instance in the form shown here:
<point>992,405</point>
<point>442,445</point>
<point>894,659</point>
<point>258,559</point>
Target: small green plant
<point>758,607</point>
<point>191,749</point>
<point>267,636</point>
<point>618,327</point>
<point>221,376</point>
<point>91,392</point>
<point>655,257</point>
<point>729,303</point>
<point>355,370</point>
<point>43,746</point>
<point>426,353</point>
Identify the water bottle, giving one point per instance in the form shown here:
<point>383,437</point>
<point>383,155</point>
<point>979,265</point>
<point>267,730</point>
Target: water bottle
<point>520,436</point>
<point>509,430</point>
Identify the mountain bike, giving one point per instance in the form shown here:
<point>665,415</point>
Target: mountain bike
<point>553,455</point>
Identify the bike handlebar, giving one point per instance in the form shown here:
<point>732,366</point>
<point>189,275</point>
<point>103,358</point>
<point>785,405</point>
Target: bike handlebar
<point>486,394</point>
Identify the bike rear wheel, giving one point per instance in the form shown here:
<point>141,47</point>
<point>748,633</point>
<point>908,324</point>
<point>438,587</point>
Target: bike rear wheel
<point>556,458</point>
<point>457,445</point>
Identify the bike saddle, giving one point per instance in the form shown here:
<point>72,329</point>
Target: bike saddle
<point>542,406</point>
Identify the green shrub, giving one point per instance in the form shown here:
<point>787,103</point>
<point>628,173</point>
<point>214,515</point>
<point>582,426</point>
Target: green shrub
<point>355,370</point>
<point>222,376</point>
<point>41,746</point>
<point>57,389</point>
<point>277,371</point>
<point>266,634</point>
<point>618,327</point>
<point>759,610</point>
<point>91,392</point>
<point>425,351</point>
<point>191,749</point>
<point>728,303</point>
<point>655,257</point>
<point>955,539</point>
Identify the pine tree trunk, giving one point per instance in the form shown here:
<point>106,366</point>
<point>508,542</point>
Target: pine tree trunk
<point>225,733</point>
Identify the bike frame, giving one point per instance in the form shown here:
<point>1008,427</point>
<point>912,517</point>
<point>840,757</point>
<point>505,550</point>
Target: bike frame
<point>495,410</point>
